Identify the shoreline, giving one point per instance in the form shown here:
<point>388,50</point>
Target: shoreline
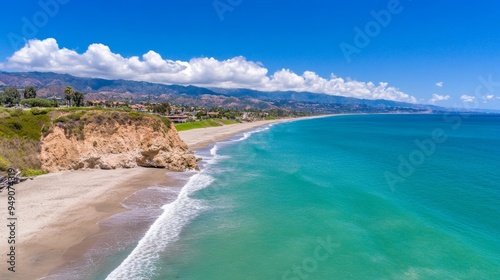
<point>201,138</point>
<point>197,139</point>
<point>55,226</point>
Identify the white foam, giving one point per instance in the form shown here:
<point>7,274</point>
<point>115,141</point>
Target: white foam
<point>246,135</point>
<point>214,157</point>
<point>140,264</point>
<point>213,151</point>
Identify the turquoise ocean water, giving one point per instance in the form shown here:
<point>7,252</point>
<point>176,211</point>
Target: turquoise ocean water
<point>346,197</point>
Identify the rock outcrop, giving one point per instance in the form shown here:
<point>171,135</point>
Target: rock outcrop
<point>110,140</point>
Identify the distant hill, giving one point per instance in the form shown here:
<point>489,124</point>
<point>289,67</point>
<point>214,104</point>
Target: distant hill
<point>318,98</point>
<point>45,80</point>
<point>52,84</point>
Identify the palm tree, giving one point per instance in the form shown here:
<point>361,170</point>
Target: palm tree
<point>68,94</point>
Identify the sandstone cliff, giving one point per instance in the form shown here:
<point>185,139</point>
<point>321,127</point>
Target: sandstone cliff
<point>109,140</point>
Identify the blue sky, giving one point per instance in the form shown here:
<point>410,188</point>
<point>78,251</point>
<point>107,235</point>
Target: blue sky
<point>269,45</point>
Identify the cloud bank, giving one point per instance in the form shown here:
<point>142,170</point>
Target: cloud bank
<point>437,98</point>
<point>99,61</point>
<point>467,98</point>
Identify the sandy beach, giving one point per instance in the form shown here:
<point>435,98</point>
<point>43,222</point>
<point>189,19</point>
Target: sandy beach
<point>201,138</point>
<point>58,211</point>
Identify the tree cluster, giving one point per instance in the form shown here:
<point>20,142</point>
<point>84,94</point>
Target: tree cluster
<point>37,102</point>
<point>161,108</point>
<point>29,92</point>
<point>10,96</point>
<point>73,98</point>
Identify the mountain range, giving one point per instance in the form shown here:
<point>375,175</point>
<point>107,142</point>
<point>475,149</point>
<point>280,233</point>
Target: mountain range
<point>50,85</point>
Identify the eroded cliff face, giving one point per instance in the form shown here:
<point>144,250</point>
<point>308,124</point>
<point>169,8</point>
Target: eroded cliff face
<point>113,141</point>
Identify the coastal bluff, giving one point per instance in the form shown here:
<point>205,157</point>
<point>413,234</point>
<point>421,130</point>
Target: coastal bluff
<point>110,140</point>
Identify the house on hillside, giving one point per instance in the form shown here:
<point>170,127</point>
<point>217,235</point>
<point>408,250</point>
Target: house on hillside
<point>97,103</point>
<point>138,107</point>
<point>118,103</point>
<point>178,118</point>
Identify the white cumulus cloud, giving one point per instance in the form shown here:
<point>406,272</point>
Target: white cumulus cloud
<point>467,98</point>
<point>488,98</point>
<point>99,61</point>
<point>439,84</point>
<point>436,98</point>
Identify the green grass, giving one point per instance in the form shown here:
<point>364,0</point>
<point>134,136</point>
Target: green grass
<point>19,153</point>
<point>269,118</point>
<point>32,172</point>
<point>203,124</point>
<point>22,124</point>
<point>227,122</point>
<point>4,164</point>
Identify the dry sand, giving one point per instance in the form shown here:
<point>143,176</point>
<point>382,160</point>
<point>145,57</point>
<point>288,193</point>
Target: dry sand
<point>200,138</point>
<point>59,211</point>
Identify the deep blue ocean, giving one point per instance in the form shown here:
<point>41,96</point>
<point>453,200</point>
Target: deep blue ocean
<point>343,197</point>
